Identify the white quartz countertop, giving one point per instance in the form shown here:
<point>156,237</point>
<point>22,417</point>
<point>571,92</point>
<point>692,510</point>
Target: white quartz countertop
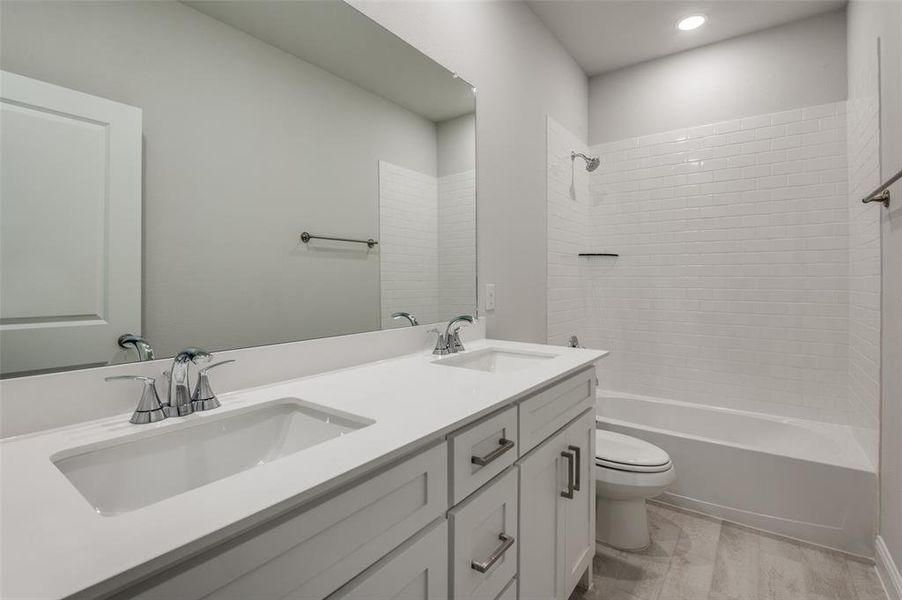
<point>56,545</point>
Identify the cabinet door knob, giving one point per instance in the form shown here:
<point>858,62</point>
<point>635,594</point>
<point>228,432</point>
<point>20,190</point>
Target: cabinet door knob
<point>503,446</point>
<point>482,566</point>
<point>570,484</point>
<point>576,451</point>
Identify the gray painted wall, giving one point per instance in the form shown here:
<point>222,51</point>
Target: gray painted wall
<point>456,145</point>
<point>245,146</point>
<point>793,65</point>
<point>522,74</point>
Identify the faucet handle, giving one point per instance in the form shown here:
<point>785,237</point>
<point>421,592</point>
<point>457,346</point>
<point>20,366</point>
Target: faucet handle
<point>149,409</point>
<point>203,397</point>
<point>441,343</point>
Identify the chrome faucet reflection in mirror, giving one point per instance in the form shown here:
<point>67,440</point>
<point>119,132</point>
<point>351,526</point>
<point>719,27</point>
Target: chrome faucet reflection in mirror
<point>180,401</point>
<point>397,316</point>
<point>142,348</point>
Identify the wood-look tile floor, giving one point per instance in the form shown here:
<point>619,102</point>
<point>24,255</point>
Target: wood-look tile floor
<point>692,557</point>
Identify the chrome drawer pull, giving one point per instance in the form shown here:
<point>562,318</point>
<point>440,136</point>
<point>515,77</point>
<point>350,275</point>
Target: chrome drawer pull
<point>569,493</point>
<point>482,461</point>
<point>576,450</point>
<point>506,542</point>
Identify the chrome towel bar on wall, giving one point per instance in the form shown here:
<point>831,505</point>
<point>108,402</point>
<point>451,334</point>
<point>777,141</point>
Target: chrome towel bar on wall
<point>306,237</point>
<point>881,194</point>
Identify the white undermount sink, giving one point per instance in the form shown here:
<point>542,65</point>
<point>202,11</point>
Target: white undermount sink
<point>493,360</point>
<point>133,473</point>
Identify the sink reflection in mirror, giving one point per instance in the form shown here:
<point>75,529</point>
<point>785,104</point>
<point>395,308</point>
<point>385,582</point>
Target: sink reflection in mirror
<point>136,472</point>
<point>493,360</point>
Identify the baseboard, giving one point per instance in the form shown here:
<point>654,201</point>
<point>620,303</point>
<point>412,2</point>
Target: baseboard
<point>888,571</point>
<point>858,543</point>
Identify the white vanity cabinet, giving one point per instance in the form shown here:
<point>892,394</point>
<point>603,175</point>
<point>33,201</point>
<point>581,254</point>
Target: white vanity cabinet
<point>503,508</point>
<point>557,512</point>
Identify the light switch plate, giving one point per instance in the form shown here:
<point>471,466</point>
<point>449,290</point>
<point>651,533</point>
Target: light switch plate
<point>490,296</point>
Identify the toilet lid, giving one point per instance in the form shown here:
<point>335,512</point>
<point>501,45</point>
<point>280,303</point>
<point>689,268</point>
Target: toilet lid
<point>618,451</point>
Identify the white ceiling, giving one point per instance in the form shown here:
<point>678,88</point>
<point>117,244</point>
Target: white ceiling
<point>336,37</point>
<point>603,35</point>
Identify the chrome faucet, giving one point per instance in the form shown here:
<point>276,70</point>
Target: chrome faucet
<point>405,315</point>
<point>149,409</point>
<point>203,397</point>
<point>179,399</point>
<point>142,348</point>
<point>449,342</point>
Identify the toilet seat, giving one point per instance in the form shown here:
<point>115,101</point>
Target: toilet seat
<point>632,468</point>
<point>624,453</point>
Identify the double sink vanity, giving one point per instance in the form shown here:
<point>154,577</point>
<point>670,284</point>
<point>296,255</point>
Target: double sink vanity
<point>460,476</point>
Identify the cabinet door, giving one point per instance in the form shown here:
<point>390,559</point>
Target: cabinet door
<point>578,513</point>
<point>557,531</point>
<point>542,479</point>
<point>416,571</point>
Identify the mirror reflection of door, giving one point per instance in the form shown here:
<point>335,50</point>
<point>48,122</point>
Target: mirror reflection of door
<point>70,226</point>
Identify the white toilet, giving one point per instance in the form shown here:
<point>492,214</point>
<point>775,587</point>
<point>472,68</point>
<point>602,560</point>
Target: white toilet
<point>627,471</point>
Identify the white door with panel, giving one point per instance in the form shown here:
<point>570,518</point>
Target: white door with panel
<point>557,512</point>
<point>70,244</point>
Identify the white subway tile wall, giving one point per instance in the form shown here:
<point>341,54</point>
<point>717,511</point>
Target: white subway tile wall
<point>427,245</point>
<point>732,285</point>
<point>568,230</point>
<point>408,244</point>
<point>863,123</point>
<point>457,243</point>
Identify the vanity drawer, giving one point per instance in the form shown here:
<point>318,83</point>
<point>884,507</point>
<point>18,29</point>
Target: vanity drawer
<point>484,540</point>
<point>482,451</point>
<point>418,570</point>
<point>313,551</point>
<point>549,410</point>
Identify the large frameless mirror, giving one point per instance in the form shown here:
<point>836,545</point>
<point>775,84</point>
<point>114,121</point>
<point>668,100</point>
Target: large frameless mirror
<point>172,173</point>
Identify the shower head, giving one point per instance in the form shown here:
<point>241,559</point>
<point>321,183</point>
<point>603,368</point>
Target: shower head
<point>591,162</point>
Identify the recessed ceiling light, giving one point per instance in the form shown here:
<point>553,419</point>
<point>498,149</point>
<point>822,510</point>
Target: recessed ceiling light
<point>691,22</point>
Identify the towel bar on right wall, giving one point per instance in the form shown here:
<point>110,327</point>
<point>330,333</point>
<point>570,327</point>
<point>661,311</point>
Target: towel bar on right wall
<point>881,194</point>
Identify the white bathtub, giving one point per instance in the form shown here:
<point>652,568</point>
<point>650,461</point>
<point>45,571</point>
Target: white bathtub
<point>802,479</point>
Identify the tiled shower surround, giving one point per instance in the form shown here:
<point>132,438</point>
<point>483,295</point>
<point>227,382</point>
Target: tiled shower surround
<point>408,244</point>
<point>863,123</point>
<point>427,244</point>
<point>732,287</point>
<point>457,243</point>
